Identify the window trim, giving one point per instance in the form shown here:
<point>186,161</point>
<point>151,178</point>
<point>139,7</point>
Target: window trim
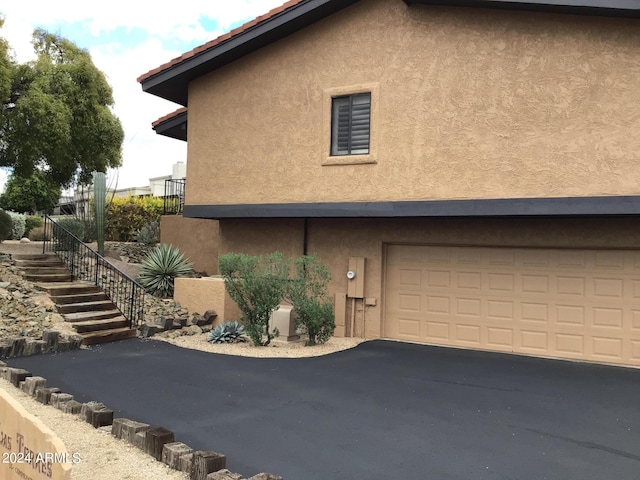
<point>328,95</point>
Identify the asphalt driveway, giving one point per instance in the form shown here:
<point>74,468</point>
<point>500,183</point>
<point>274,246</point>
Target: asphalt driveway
<point>384,410</point>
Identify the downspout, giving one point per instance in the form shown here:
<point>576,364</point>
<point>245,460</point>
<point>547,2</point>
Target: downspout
<point>305,236</point>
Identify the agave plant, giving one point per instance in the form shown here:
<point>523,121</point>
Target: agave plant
<point>227,332</point>
<point>160,267</point>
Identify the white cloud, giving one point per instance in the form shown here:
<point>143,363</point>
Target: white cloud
<point>145,154</point>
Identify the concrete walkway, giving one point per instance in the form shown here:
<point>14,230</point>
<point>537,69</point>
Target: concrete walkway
<point>383,410</point>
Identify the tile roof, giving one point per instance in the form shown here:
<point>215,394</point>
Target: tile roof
<point>221,39</point>
<point>169,116</point>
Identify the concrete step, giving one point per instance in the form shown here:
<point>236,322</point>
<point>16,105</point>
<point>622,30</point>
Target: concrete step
<point>68,288</point>
<point>85,316</point>
<point>103,336</point>
<point>97,325</point>
<point>101,305</point>
<point>53,277</point>
<point>35,256</point>
<point>52,270</point>
<point>79,298</point>
<point>53,262</point>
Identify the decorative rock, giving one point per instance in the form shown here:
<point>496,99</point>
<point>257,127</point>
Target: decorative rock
<point>165,323</point>
<point>194,330</point>
<point>25,240</point>
<point>127,429</point>
<point>181,321</point>
<point>224,474</point>
<point>17,347</point>
<point>210,316</point>
<point>198,320</point>
<point>33,347</point>
<point>171,453</point>
<point>205,463</point>
<point>147,330</point>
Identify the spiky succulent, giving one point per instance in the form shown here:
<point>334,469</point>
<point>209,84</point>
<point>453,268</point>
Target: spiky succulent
<point>160,267</point>
<point>227,332</point>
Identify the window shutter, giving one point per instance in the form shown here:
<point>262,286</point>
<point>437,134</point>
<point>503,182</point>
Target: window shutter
<point>351,121</point>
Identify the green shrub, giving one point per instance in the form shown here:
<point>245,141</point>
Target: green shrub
<point>5,226</point>
<point>149,234</point>
<point>227,332</point>
<point>73,225</point>
<point>160,267</point>
<point>257,285</point>
<point>18,222</point>
<point>90,232</point>
<point>124,217</point>
<point>31,222</point>
<point>37,234</point>
<point>308,294</point>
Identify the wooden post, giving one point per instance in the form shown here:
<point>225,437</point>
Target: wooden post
<point>206,462</point>
<point>171,453</point>
<point>155,440</point>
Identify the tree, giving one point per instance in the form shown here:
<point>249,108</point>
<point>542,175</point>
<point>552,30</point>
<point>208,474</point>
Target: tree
<point>33,194</point>
<point>57,114</point>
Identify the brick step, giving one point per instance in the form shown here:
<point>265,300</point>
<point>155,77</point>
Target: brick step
<point>98,325</point>
<point>101,305</point>
<point>103,336</point>
<point>78,298</point>
<point>68,288</point>
<point>85,316</point>
<point>53,277</point>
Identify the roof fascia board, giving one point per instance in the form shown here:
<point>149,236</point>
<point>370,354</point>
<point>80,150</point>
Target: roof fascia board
<point>512,207</point>
<point>609,8</point>
<point>274,28</point>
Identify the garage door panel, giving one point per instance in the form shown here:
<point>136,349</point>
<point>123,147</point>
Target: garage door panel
<point>579,304</point>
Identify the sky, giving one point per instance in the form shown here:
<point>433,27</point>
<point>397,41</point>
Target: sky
<point>125,40</point>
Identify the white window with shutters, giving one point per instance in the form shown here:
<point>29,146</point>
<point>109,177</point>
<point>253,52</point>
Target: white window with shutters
<point>351,124</point>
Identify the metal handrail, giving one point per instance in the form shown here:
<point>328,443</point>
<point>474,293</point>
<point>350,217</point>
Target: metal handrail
<point>88,265</point>
<point>174,196</point>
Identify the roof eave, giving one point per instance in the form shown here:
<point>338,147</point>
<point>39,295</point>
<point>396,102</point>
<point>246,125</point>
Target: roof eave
<point>606,8</point>
<point>174,127</point>
<point>171,83</point>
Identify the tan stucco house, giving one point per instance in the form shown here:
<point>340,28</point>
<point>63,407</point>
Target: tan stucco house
<point>475,164</point>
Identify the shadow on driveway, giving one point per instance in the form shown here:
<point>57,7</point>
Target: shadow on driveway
<point>381,410</point>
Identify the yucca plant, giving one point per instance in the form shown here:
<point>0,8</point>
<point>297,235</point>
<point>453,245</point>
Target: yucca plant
<point>160,267</point>
<point>227,332</point>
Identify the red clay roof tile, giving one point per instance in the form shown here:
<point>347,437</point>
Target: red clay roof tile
<point>169,116</point>
<point>217,41</point>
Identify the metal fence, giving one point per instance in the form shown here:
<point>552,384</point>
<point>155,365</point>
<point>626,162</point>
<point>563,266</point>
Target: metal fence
<point>86,264</point>
<point>174,196</point>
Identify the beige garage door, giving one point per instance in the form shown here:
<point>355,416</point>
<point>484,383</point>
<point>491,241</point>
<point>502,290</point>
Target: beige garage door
<point>578,304</point>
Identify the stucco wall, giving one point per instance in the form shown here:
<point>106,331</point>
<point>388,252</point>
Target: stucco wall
<point>335,240</point>
<point>207,293</point>
<point>468,103</point>
<point>197,239</point>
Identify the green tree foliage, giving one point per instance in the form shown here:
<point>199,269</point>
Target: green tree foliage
<point>5,226</point>
<point>6,66</point>
<point>308,295</point>
<point>57,114</point>
<point>257,285</point>
<point>124,217</point>
<point>34,194</point>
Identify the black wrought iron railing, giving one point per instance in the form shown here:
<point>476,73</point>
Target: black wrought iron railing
<point>86,264</point>
<point>174,196</point>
